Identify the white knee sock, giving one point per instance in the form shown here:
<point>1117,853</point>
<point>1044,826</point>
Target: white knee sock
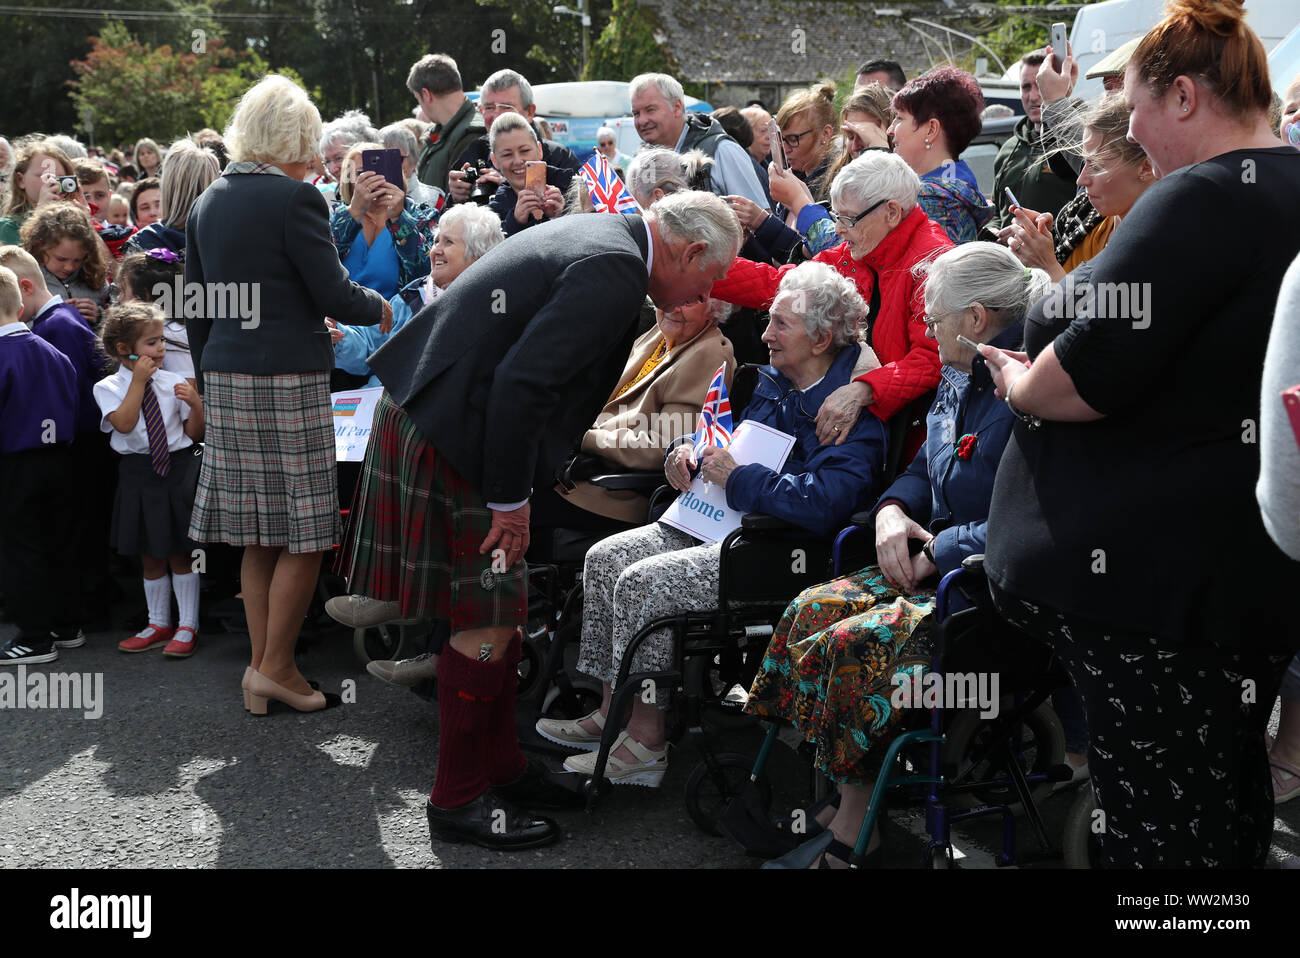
<point>158,594</point>
<point>186,588</point>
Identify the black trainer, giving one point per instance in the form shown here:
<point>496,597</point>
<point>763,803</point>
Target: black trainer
<point>21,651</point>
<point>68,638</point>
<point>490,821</point>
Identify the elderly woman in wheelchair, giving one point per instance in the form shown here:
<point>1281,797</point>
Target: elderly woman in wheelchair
<point>638,576</point>
<point>831,666</point>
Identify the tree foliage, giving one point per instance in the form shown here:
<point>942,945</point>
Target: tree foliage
<point>627,46</point>
<point>130,89</point>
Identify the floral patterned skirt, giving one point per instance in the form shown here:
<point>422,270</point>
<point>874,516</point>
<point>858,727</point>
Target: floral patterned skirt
<point>829,669</point>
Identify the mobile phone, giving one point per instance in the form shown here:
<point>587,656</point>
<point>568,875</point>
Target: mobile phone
<point>1060,43</point>
<point>387,163</point>
<point>969,343</point>
<point>1011,197</point>
<point>778,147</point>
<point>535,176</point>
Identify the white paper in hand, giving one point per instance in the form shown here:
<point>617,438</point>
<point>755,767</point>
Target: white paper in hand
<point>702,510</point>
<point>354,414</point>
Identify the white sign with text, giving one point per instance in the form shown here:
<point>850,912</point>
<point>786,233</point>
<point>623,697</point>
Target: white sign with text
<point>354,414</point>
<point>702,510</point>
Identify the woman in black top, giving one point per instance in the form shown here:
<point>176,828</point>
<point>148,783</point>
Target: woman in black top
<point>1123,525</point>
<point>258,246</point>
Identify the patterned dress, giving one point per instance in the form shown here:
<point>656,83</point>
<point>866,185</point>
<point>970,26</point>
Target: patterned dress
<point>831,665</point>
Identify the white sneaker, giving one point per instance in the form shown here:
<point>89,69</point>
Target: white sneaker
<point>405,672</point>
<point>648,770</point>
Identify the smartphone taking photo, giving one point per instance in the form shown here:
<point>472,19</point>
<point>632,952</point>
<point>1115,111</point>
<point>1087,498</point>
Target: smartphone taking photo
<point>1060,44</point>
<point>387,163</point>
<point>778,147</point>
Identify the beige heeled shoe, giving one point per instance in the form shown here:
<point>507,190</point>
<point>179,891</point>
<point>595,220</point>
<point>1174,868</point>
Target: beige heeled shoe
<point>248,671</point>
<point>262,691</point>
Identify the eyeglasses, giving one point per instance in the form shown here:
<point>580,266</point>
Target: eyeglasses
<point>933,321</point>
<point>792,139</point>
<point>497,107</point>
<point>843,221</point>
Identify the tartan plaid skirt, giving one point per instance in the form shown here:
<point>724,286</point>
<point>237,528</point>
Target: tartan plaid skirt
<point>415,531</point>
<point>268,476</point>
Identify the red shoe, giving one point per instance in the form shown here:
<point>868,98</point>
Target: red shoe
<point>179,648</point>
<point>150,636</point>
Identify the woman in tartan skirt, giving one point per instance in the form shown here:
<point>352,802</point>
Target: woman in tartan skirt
<point>262,358</point>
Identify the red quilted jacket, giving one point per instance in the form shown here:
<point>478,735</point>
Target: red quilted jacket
<point>909,361</point>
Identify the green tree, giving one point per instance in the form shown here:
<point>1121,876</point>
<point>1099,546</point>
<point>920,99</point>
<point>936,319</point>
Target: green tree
<point>627,46</point>
<point>551,40</point>
<point>1015,36</point>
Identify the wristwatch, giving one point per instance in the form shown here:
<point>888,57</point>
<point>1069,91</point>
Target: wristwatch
<point>928,551</point>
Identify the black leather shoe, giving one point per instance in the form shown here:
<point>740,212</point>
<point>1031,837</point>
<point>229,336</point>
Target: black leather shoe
<point>539,787</point>
<point>489,821</point>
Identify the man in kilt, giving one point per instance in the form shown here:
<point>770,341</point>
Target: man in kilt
<point>489,388</point>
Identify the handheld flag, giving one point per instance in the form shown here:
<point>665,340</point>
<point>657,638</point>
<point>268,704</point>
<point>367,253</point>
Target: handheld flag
<point>714,425</point>
<point>605,187</point>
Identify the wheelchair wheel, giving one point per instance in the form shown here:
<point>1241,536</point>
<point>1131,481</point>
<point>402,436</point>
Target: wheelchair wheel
<point>378,642</point>
<point>583,700</point>
<point>1041,746</point>
<point>940,859</point>
<point>708,795</point>
<point>529,669</point>
<point>1080,844</point>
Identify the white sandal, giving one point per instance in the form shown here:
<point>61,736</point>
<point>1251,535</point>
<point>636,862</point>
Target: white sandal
<point>570,733</point>
<point>648,770</point>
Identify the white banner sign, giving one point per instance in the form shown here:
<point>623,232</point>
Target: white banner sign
<point>702,511</point>
<point>354,413</point>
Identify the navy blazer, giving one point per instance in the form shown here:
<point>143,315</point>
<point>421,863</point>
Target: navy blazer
<point>268,235</point>
<point>949,495</point>
<point>819,487</point>
<point>506,370</point>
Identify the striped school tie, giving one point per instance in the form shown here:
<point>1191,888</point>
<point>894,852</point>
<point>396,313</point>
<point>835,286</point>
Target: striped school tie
<point>153,425</point>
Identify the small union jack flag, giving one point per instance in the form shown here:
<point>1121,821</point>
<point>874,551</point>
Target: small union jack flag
<point>714,425</point>
<point>605,187</point>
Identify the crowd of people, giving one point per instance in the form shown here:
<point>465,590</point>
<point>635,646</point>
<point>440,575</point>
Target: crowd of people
<point>1086,386</point>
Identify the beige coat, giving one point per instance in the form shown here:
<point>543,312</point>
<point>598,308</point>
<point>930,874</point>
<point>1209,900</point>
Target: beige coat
<point>634,430</point>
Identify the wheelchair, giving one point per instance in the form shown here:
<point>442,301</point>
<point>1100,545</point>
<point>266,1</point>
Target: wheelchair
<point>958,766</point>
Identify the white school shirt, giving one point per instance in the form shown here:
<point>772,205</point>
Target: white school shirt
<point>110,393</point>
<point>177,359</point>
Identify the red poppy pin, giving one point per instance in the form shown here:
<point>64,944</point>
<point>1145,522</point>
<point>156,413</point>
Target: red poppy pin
<point>965,446</point>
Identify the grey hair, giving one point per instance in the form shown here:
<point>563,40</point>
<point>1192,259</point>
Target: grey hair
<point>657,167</point>
<point>719,311</point>
<point>984,273</point>
<point>693,216</point>
<point>350,128</point>
<point>668,87</point>
<point>604,133</point>
<point>825,300</point>
<point>480,228</point>
<point>398,136</point>
<point>874,176</point>
<point>506,123</point>
<point>505,80</point>
<point>73,148</point>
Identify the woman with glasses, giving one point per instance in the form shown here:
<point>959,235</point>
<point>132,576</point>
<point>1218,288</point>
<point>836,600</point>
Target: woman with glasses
<point>653,571</point>
<point>885,234</point>
<point>808,127</point>
<point>607,145</point>
<point>829,669</point>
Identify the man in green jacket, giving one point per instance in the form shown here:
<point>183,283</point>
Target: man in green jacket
<point>435,83</point>
<point>1021,163</point>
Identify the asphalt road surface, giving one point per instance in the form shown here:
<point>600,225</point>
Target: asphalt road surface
<point>175,774</point>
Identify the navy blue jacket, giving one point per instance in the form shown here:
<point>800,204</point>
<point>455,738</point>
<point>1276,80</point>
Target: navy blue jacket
<point>504,199</point>
<point>948,495</point>
<point>65,329</point>
<point>820,487</point>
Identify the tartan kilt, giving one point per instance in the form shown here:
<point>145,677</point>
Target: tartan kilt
<point>415,531</point>
<point>268,476</point>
